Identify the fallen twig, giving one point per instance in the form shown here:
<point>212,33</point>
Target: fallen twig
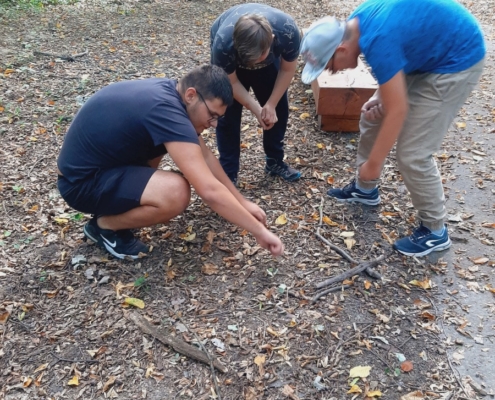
<point>212,362</point>
<point>74,361</point>
<point>66,57</point>
<point>326,291</point>
<point>351,272</point>
<point>34,165</point>
<point>177,344</point>
<point>369,270</point>
<point>365,266</point>
<point>298,295</point>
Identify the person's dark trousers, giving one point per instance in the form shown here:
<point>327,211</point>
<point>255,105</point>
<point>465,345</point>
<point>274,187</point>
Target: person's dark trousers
<point>228,130</point>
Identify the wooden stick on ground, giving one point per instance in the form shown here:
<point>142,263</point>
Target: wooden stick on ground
<point>66,57</point>
<point>324,292</point>
<point>178,345</point>
<point>351,272</point>
<point>369,269</point>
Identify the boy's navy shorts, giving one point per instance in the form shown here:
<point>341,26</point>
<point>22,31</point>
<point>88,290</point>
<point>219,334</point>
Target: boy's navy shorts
<point>108,192</point>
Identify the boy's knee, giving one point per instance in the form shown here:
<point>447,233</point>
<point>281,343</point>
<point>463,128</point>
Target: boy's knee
<point>180,193</point>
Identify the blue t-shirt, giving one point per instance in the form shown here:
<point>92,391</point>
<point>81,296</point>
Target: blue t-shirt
<point>417,36</point>
<point>286,41</point>
<point>125,123</point>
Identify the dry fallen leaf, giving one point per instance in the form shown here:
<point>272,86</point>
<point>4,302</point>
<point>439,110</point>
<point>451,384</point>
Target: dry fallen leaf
<point>272,332</point>
<point>209,269</point>
<point>406,366</point>
<point>4,316</point>
<point>188,237</point>
<point>37,382</point>
<point>27,382</point>
<point>259,360</point>
<point>303,116</point>
<point>134,302</point>
<point>367,284</point>
<point>92,353</point>
<point>109,383</point>
<point>360,372</point>
<point>354,389</point>
<point>374,393</point>
<point>460,124</point>
<point>50,294</point>
<point>349,242</point>
<point>120,286</point>
<point>481,260</point>
<point>421,304</point>
<point>328,221</point>
<point>281,220</point>
<point>74,381</point>
<point>417,395</point>
<point>427,315</point>
<point>41,368</point>
<point>426,284</point>
<point>210,236</point>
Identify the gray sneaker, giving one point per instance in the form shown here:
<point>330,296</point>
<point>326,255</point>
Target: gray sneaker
<point>279,168</point>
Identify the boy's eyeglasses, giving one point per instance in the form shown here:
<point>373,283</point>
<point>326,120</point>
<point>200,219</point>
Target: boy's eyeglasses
<point>213,116</point>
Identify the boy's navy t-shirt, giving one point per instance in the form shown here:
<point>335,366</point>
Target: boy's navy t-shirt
<point>125,123</point>
<point>286,41</point>
<point>435,36</point>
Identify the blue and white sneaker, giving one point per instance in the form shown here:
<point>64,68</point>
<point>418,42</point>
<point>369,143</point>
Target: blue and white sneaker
<point>352,194</point>
<point>422,242</point>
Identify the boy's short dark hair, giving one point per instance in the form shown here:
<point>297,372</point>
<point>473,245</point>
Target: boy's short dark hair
<point>253,36</point>
<point>211,81</point>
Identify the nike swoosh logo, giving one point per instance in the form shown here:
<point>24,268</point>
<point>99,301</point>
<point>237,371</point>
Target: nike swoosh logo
<point>108,242</point>
<point>431,243</point>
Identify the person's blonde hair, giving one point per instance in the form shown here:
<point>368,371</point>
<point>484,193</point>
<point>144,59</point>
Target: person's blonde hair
<point>253,36</point>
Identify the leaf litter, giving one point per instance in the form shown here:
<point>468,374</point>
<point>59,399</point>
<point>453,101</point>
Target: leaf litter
<point>249,310</point>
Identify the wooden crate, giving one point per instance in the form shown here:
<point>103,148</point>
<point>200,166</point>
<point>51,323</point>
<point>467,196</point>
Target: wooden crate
<point>339,98</point>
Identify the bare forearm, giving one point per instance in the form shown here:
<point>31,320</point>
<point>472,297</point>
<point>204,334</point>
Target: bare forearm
<point>243,97</point>
<point>284,78</point>
<point>217,171</point>
<point>223,202</point>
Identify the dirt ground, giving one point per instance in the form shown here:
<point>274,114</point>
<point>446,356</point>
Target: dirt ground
<point>64,331</point>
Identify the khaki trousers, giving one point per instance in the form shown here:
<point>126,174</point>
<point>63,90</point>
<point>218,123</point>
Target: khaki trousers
<point>434,100</point>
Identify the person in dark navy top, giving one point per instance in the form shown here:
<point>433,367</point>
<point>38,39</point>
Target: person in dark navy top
<point>108,164</point>
<point>257,46</point>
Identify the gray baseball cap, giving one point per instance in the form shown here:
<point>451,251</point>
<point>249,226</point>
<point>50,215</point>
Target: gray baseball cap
<point>319,44</point>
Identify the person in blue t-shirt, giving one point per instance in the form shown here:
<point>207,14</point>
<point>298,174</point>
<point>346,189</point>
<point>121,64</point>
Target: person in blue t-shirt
<point>427,57</point>
<point>108,164</point>
<point>258,47</point>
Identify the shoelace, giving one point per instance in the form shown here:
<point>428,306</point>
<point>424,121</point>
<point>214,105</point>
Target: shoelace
<point>350,186</point>
<point>420,232</point>
<point>279,169</point>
